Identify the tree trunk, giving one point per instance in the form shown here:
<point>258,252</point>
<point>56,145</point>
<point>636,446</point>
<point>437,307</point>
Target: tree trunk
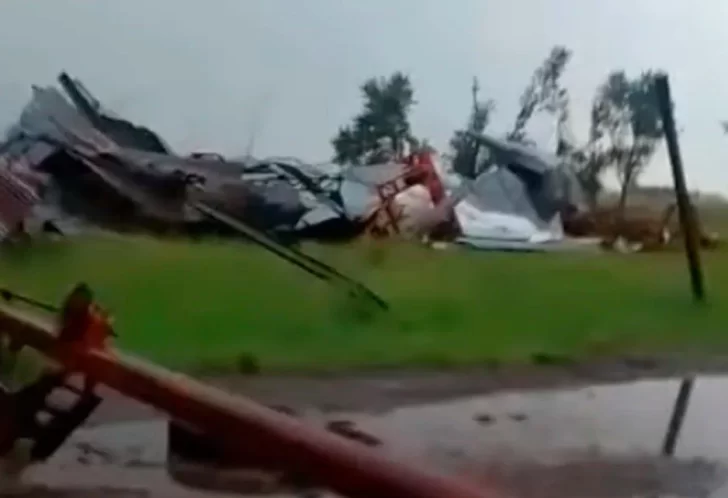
<point>624,191</point>
<point>629,172</point>
<point>592,198</point>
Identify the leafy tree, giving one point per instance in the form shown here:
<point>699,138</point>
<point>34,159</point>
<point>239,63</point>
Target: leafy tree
<point>626,127</point>
<point>543,93</point>
<point>387,103</point>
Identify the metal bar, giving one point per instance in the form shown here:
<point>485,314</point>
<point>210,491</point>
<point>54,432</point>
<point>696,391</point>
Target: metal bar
<point>297,258</point>
<point>78,99</point>
<point>241,427</point>
<point>678,416</point>
<point>9,295</point>
<point>685,207</point>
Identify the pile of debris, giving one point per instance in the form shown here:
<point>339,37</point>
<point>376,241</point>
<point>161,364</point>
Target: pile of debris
<point>69,163</point>
<point>517,197</point>
<point>522,199</point>
<point>73,161</point>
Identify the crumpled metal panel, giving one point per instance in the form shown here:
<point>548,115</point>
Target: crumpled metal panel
<point>508,152</point>
<point>49,123</point>
<point>121,131</point>
<point>525,181</point>
<point>50,119</point>
<point>503,191</point>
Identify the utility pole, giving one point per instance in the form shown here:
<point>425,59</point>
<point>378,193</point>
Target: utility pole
<point>690,235</point>
<point>684,205</point>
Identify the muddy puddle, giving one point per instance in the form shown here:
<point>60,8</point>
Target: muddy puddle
<point>591,442</point>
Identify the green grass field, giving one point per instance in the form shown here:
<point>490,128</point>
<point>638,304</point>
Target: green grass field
<point>208,305</point>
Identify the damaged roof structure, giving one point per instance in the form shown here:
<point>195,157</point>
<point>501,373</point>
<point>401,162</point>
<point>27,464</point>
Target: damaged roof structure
<point>515,197</point>
<point>67,158</point>
<point>107,172</point>
<point>110,172</point>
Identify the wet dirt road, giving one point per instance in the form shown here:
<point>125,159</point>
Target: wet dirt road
<point>381,391</point>
<point>600,441</point>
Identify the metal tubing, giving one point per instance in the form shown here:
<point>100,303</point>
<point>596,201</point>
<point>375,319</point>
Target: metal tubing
<point>242,427</point>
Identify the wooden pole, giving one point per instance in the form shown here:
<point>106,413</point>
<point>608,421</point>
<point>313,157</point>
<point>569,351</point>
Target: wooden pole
<point>685,207</point>
<point>692,252</point>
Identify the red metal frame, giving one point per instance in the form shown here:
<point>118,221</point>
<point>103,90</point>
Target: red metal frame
<point>420,170</point>
<point>241,427</point>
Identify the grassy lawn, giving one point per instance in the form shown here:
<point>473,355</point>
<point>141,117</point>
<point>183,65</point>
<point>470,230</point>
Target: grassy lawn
<point>206,304</point>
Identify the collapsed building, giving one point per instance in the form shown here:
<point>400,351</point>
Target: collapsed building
<point>69,162</point>
<point>73,163</point>
<point>88,165</point>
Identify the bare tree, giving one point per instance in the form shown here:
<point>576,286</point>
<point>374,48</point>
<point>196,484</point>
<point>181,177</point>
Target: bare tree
<point>462,143</point>
<point>626,127</point>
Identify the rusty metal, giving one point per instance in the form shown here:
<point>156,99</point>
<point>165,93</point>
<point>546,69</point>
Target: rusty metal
<point>239,426</point>
<point>419,170</point>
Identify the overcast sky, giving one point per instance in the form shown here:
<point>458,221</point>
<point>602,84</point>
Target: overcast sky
<point>209,75</point>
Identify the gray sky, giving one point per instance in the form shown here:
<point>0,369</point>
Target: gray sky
<point>209,74</point>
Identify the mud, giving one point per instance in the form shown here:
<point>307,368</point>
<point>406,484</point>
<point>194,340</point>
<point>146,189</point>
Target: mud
<point>594,441</point>
<point>600,440</point>
<point>601,478</point>
<point>383,390</point>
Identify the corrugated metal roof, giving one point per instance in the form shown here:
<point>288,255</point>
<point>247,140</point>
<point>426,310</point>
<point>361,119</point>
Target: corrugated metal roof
<point>506,152</point>
<point>49,122</point>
